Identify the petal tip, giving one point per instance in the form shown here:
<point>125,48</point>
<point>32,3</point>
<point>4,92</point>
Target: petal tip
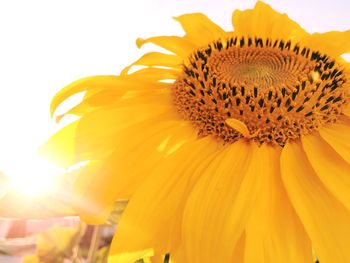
<point>140,42</point>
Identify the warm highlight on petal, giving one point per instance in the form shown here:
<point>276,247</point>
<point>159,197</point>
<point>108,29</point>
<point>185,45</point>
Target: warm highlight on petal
<point>325,219</point>
<point>156,207</point>
<point>274,232</point>
<point>85,84</point>
<point>60,148</point>
<point>332,170</point>
<point>177,45</point>
<point>265,22</point>
<point>156,59</point>
<point>130,257</point>
<point>123,175</point>
<point>338,136</point>
<point>334,43</point>
<point>220,204</point>
<point>200,29</point>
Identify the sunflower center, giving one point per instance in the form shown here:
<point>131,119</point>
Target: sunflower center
<point>267,91</point>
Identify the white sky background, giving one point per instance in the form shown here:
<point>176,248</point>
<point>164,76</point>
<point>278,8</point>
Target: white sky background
<point>46,44</point>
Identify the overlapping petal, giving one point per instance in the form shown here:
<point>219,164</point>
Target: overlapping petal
<point>178,45</point>
<point>199,29</point>
<point>219,205</point>
<point>335,43</point>
<point>155,210</point>
<point>325,219</point>
<point>338,135</point>
<point>330,167</point>
<point>274,232</point>
<point>263,21</point>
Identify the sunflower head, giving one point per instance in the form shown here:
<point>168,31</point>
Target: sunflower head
<point>243,156</point>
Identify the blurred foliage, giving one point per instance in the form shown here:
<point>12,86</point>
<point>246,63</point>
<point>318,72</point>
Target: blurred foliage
<point>102,255</point>
<point>31,259</point>
<point>56,244</point>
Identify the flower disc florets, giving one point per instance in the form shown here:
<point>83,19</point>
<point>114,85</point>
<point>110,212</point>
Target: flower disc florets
<point>277,89</point>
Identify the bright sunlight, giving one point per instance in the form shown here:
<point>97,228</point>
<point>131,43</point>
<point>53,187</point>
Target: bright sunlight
<point>33,176</point>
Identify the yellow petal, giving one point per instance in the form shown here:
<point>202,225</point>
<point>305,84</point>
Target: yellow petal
<point>115,86</point>
<point>274,233</point>
<point>156,259</point>
<point>265,22</point>
<point>200,29</point>
<point>338,136</point>
<point>156,59</point>
<point>118,176</point>
<point>238,254</point>
<point>346,111</point>
<point>97,132</point>
<point>325,219</point>
<point>220,204</point>
<point>156,74</point>
<point>157,205</point>
<point>334,43</point>
<point>77,110</point>
<point>83,85</point>
<point>60,148</point>
<point>130,257</point>
<point>175,44</point>
<point>178,255</point>
<point>329,166</point>
<point>125,88</point>
<point>93,99</point>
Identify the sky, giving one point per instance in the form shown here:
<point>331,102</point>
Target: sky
<point>46,44</point>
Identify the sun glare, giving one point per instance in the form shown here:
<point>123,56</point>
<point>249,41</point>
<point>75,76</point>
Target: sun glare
<point>33,176</point>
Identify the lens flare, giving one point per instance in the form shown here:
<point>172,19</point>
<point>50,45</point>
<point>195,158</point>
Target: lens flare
<point>33,176</point>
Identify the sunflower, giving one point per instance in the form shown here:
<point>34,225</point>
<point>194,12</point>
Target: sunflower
<point>230,146</point>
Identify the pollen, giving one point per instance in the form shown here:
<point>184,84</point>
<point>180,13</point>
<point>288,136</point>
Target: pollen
<point>268,91</point>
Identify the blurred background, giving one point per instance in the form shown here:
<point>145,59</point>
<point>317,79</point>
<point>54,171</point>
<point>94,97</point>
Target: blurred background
<point>46,44</point>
